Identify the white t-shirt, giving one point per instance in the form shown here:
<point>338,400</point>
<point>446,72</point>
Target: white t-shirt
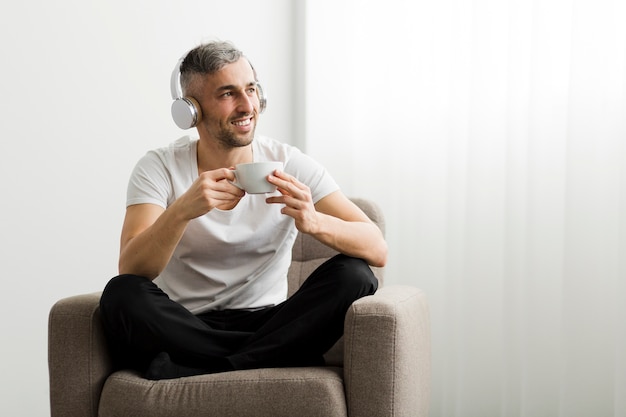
<point>226,259</point>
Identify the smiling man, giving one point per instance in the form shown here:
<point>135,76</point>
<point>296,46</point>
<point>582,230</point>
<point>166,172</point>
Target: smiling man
<point>202,284</point>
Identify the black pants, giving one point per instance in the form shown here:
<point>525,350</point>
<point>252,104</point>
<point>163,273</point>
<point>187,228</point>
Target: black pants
<point>141,321</point>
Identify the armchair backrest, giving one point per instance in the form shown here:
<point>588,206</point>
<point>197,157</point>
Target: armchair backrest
<point>308,253</point>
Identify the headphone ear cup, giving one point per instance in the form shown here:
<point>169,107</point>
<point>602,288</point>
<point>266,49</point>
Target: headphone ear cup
<point>186,112</point>
<point>262,97</point>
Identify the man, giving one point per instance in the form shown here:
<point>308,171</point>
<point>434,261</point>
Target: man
<point>203,265</point>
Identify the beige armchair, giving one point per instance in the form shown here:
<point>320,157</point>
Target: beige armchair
<point>381,367</point>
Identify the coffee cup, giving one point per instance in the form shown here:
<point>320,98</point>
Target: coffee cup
<point>252,177</point>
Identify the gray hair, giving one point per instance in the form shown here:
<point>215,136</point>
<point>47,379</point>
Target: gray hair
<point>207,58</point>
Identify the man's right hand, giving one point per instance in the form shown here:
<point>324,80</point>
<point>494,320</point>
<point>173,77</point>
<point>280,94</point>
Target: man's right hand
<point>212,189</point>
<point>150,232</point>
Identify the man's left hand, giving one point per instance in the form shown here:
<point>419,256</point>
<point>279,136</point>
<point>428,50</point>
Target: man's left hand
<point>297,199</point>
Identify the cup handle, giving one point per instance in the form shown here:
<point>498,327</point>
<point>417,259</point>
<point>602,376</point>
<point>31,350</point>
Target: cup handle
<point>236,182</point>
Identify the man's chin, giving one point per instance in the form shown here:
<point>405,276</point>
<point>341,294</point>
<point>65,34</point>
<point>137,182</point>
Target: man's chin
<point>246,139</point>
<point>237,141</point>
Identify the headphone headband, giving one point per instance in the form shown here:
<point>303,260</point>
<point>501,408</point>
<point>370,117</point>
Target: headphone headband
<point>175,86</point>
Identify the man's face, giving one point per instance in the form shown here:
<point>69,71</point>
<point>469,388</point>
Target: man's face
<point>230,104</point>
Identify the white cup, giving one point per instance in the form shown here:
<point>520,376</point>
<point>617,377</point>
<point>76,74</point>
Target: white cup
<point>252,177</point>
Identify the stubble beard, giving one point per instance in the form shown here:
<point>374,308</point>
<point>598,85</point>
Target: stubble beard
<point>229,139</point>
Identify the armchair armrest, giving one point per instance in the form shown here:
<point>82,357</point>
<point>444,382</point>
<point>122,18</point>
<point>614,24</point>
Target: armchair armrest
<point>78,357</point>
<point>387,354</point>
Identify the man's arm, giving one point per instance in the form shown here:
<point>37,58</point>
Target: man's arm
<point>334,220</point>
<point>151,233</point>
<point>149,236</point>
<point>344,227</point>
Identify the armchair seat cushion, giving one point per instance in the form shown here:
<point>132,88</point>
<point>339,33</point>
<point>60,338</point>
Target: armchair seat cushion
<point>301,392</point>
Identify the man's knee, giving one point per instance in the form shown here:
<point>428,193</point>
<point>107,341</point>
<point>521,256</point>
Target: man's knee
<point>124,295</point>
<point>354,275</point>
<point>122,288</point>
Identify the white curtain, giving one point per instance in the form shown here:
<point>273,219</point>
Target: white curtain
<point>493,134</point>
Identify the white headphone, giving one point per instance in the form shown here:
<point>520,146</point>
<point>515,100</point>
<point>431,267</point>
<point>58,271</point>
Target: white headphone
<point>186,111</point>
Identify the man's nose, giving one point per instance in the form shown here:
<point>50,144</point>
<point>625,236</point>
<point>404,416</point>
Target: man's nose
<point>246,103</point>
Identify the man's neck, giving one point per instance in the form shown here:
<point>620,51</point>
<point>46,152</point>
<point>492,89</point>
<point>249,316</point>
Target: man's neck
<point>213,156</point>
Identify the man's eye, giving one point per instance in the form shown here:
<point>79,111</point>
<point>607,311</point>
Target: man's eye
<point>227,94</point>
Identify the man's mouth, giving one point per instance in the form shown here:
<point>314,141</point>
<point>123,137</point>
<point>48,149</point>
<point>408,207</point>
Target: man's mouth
<point>244,122</point>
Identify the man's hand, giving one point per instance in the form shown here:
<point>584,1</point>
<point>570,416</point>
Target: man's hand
<point>150,232</point>
<point>297,200</point>
<point>334,220</point>
<point>212,189</point>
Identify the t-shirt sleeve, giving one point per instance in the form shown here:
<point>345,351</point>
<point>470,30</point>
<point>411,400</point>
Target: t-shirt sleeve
<point>311,173</point>
<point>149,182</point>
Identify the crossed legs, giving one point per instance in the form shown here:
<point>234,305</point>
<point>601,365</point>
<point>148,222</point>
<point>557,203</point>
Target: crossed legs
<point>149,332</point>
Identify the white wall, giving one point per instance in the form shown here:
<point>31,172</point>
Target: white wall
<point>84,93</point>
